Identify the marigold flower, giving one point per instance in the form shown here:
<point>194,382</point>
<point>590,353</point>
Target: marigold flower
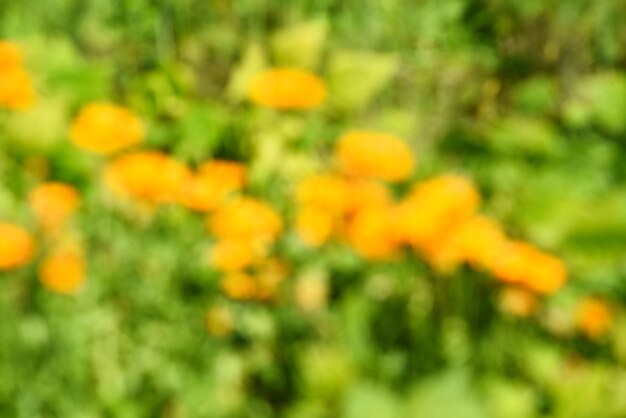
<point>247,219</point>
<point>366,193</point>
<point>523,264</point>
<point>104,128</point>
<point>219,321</point>
<point>239,285</point>
<point>10,55</point>
<point>594,317</point>
<point>480,240</point>
<point>149,175</point>
<point>325,191</point>
<point>17,246</point>
<point>434,207</point>
<point>370,231</point>
<point>63,271</point>
<point>234,254</point>
<point>53,203</point>
<point>518,302</point>
<point>375,155</point>
<point>284,88</point>
<point>215,181</point>
<point>314,225</point>
<point>16,87</point>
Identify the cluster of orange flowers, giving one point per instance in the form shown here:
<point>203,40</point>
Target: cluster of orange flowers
<point>16,87</point>
<point>437,219</point>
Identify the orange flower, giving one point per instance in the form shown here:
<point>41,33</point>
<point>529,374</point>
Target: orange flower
<point>594,317</point>
<point>147,175</point>
<point>375,155</point>
<point>16,87</point>
<point>53,203</point>
<point>10,55</point>
<point>518,301</point>
<point>366,193</point>
<point>234,254</point>
<point>211,186</point>
<point>63,271</point>
<point>371,233</point>
<point>314,225</point>
<point>283,88</point>
<point>434,208</point>
<point>219,321</point>
<point>480,240</point>
<point>16,246</point>
<point>104,128</point>
<point>247,219</point>
<point>324,191</point>
<point>523,264</point>
<point>239,285</point>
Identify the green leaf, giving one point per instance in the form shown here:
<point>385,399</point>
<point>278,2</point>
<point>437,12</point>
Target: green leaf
<point>370,401</point>
<point>300,45</point>
<point>356,77</point>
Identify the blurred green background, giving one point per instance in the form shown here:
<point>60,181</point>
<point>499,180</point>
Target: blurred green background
<point>526,97</point>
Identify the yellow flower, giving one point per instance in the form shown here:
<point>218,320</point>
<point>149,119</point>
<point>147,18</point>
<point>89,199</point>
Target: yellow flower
<point>219,321</point>
<point>371,233</point>
<point>314,225</point>
<point>63,271</point>
<point>434,208</point>
<point>17,246</point>
<point>325,191</point>
<point>104,128</point>
<point>517,301</point>
<point>375,155</point>
<point>594,317</point>
<point>213,183</point>
<point>239,285</point>
<point>366,193</point>
<point>247,219</point>
<point>234,254</point>
<point>284,88</point>
<point>53,204</point>
<point>521,263</point>
<point>148,175</point>
<point>16,87</point>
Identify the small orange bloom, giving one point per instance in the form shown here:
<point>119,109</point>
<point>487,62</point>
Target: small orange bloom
<point>523,264</point>
<point>17,246</point>
<point>370,231</point>
<point>434,208</point>
<point>314,225</point>
<point>375,155</point>
<point>480,241</point>
<point>149,175</point>
<point>219,321</point>
<point>10,55</point>
<point>283,88</point>
<point>518,301</point>
<point>325,191</point>
<point>104,128</point>
<point>53,203</point>
<point>215,181</point>
<point>63,271</point>
<point>16,87</point>
<point>594,317</point>
<point>234,254</point>
<point>239,285</point>
<point>246,218</point>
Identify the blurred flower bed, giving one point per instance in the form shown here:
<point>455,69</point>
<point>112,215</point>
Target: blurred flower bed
<point>312,210</point>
